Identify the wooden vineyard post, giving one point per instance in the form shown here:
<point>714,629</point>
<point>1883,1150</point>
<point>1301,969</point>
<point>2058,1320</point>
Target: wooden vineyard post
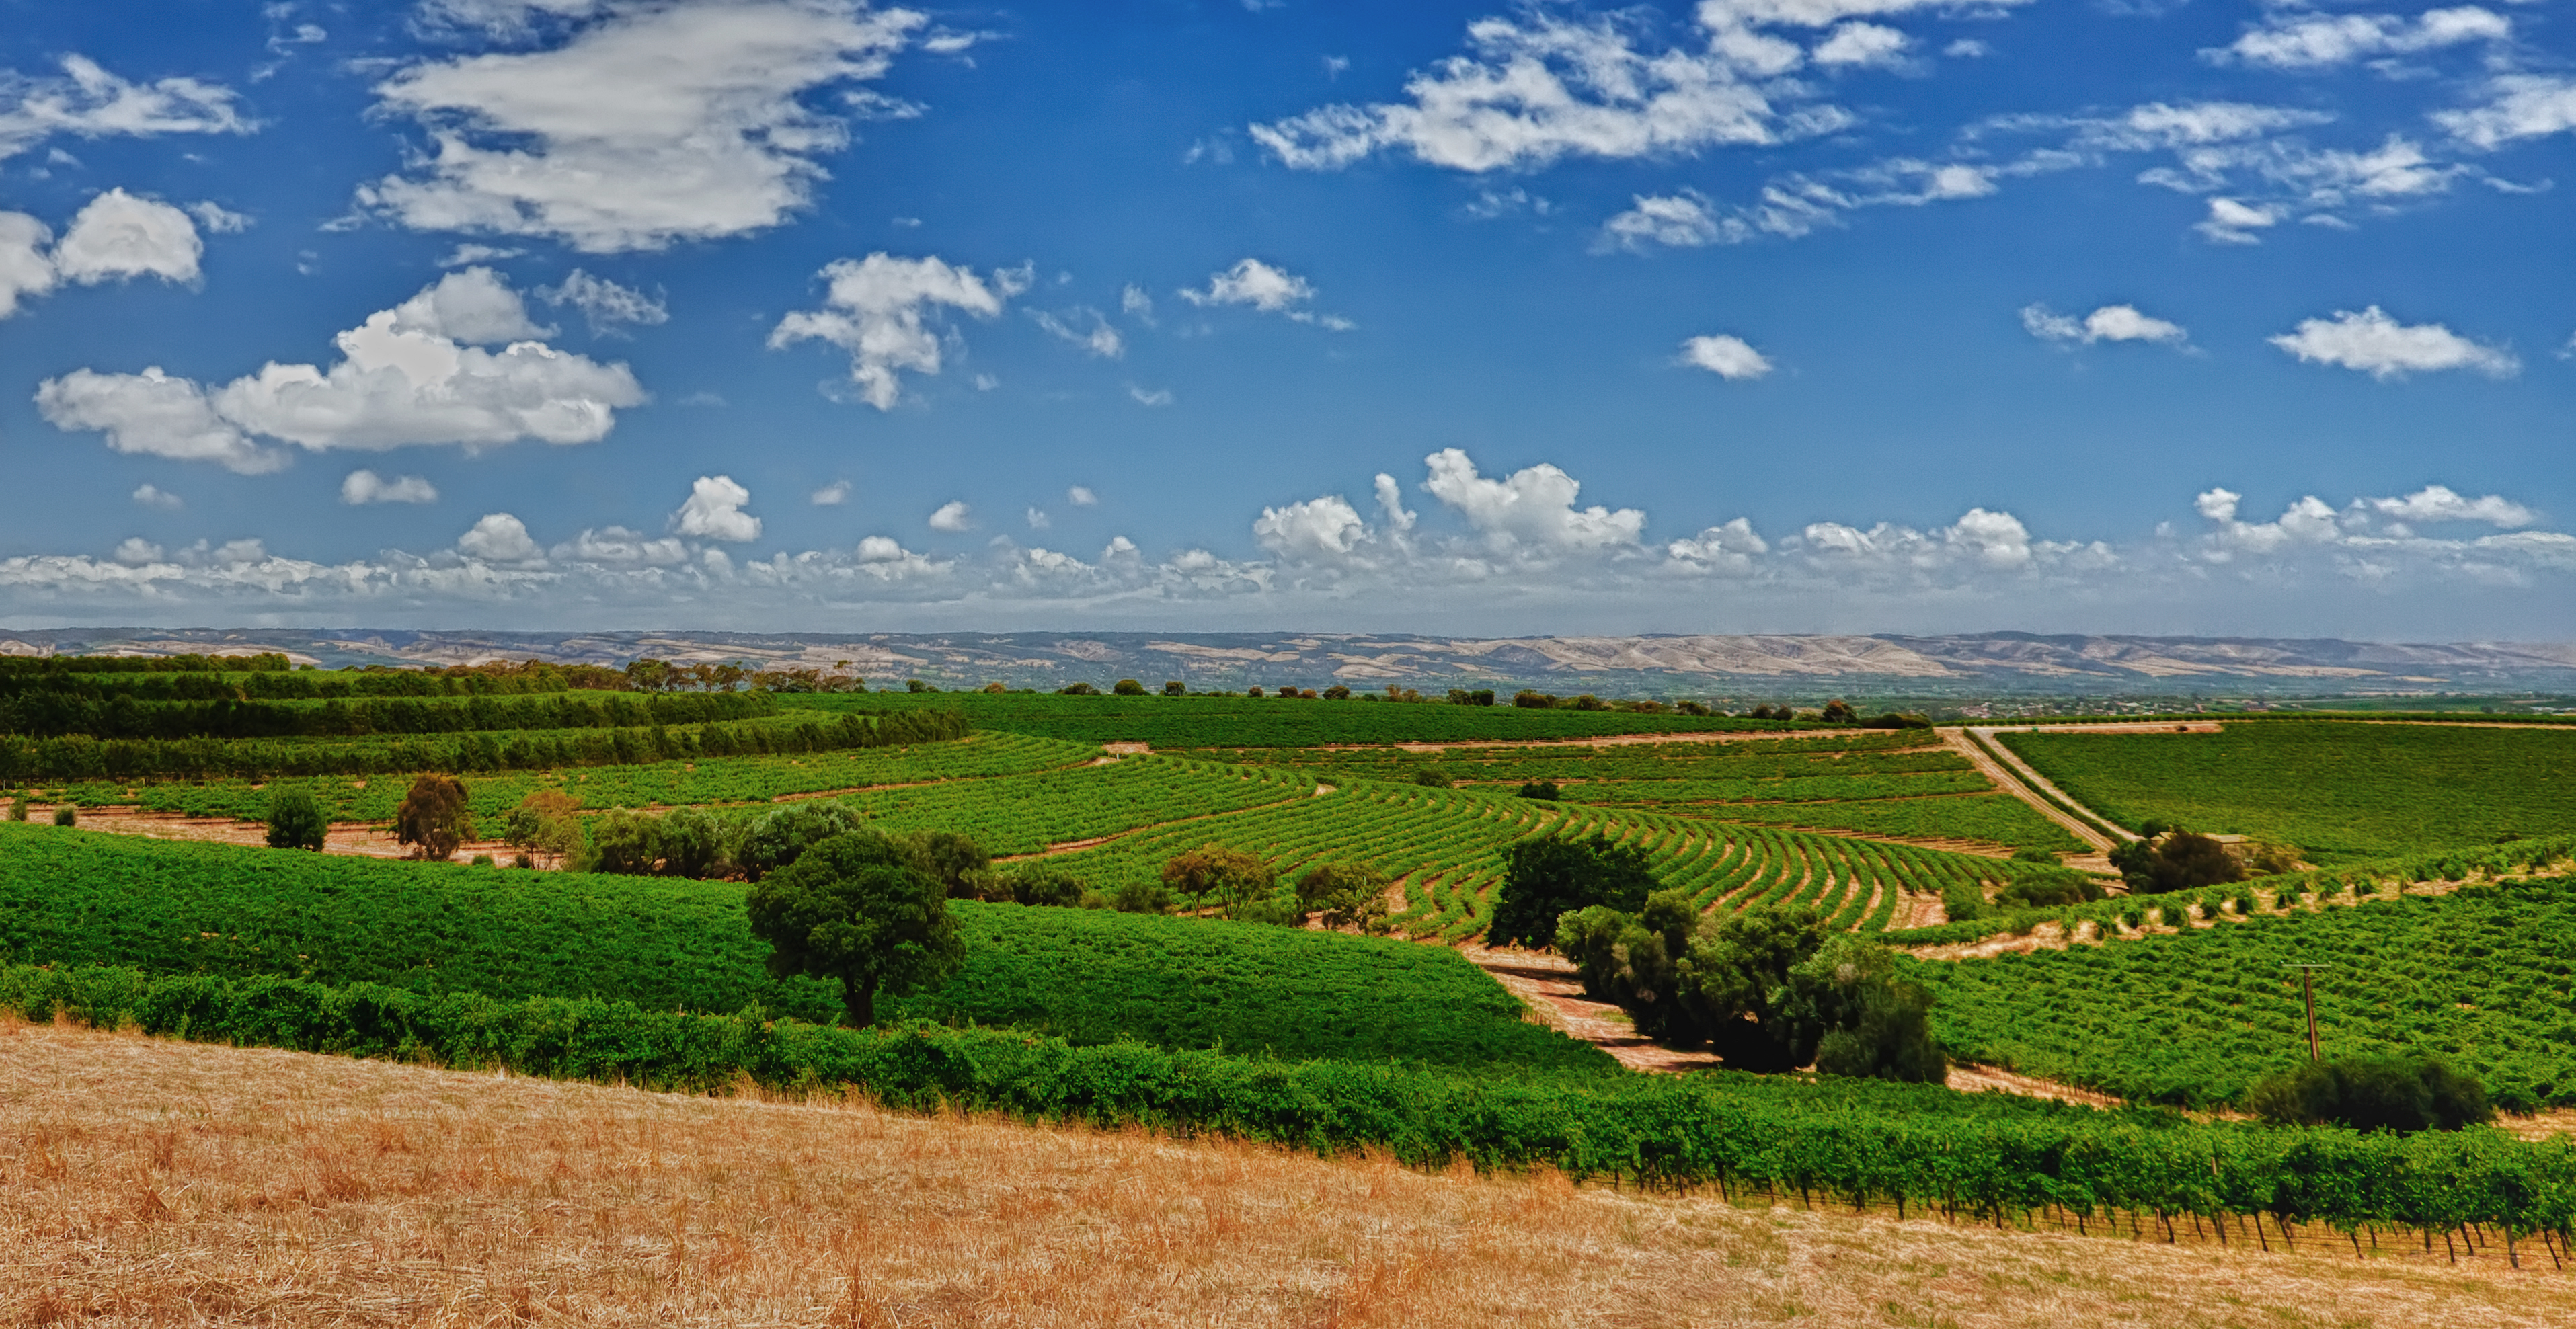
<point>2308,993</point>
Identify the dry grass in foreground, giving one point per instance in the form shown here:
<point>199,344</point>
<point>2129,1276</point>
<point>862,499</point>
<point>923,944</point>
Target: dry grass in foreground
<point>149,1182</point>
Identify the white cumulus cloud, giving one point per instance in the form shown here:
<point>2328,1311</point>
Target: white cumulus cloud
<point>406,378</point>
<point>368,487</point>
<point>873,309</point>
<point>1729,357</point>
<point>2518,106</point>
<point>1860,45</point>
<point>1544,86</point>
<point>1681,221</point>
<point>2233,223</point>
<point>1258,284</point>
<point>118,235</point>
<point>25,268</point>
<point>2300,39</point>
<point>2108,323</point>
<point>713,511</point>
<point>2380,346</point>
<point>2434,503</point>
<point>499,538</point>
<point>1532,508</point>
<point>1728,550</point>
<point>650,123</point>
<point>88,102</point>
<point>1326,529</point>
<point>609,308</point>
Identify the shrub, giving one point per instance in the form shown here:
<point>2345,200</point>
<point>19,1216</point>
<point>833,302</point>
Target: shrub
<point>693,843</point>
<point>1544,790</point>
<point>544,822</point>
<point>2402,1094</point>
<point>1214,875</point>
<point>1127,687</point>
<point>1546,878</point>
<point>1351,895</point>
<point>1140,897</point>
<point>1871,1023</point>
<point>1039,884</point>
<point>2176,861</point>
<point>621,841</point>
<point>296,820</point>
<point>2048,890</point>
<point>432,818</point>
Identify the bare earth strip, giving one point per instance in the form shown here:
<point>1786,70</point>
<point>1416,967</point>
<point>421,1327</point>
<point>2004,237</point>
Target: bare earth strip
<point>162,1183</point>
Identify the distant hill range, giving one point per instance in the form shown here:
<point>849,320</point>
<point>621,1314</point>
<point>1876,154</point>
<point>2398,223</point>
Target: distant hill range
<point>1672,665</point>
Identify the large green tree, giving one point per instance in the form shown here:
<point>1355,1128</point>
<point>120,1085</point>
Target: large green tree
<point>855,909</point>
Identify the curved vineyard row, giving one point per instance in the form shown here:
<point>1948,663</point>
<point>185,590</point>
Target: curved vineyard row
<point>1445,847</point>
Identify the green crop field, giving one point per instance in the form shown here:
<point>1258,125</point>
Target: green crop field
<point>2481,976</point>
<point>77,898</point>
<point>2340,792</point>
<point>1091,976</point>
<point>1268,722</point>
<point>648,784</point>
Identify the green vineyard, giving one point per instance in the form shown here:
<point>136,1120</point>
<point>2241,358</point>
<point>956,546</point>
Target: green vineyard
<point>2339,791</point>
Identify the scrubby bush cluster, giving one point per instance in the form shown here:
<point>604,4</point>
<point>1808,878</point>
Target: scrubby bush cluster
<point>2398,1093</point>
<point>1768,990</point>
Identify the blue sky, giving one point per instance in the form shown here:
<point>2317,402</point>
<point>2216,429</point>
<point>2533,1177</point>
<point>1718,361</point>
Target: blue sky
<point>1754,315</point>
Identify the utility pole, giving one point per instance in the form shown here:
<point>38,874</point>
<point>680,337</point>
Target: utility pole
<point>2307,990</point>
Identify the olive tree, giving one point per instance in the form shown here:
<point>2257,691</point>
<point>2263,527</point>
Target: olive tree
<point>432,818</point>
<point>853,909</point>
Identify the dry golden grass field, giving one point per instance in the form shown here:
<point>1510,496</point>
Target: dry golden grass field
<point>151,1182</point>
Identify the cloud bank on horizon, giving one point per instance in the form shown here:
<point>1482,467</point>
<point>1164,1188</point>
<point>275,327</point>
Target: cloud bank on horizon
<point>1741,315</point>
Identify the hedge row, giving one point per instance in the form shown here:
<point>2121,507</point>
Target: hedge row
<point>79,757</point>
<point>50,715</point>
<point>1781,1135</point>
